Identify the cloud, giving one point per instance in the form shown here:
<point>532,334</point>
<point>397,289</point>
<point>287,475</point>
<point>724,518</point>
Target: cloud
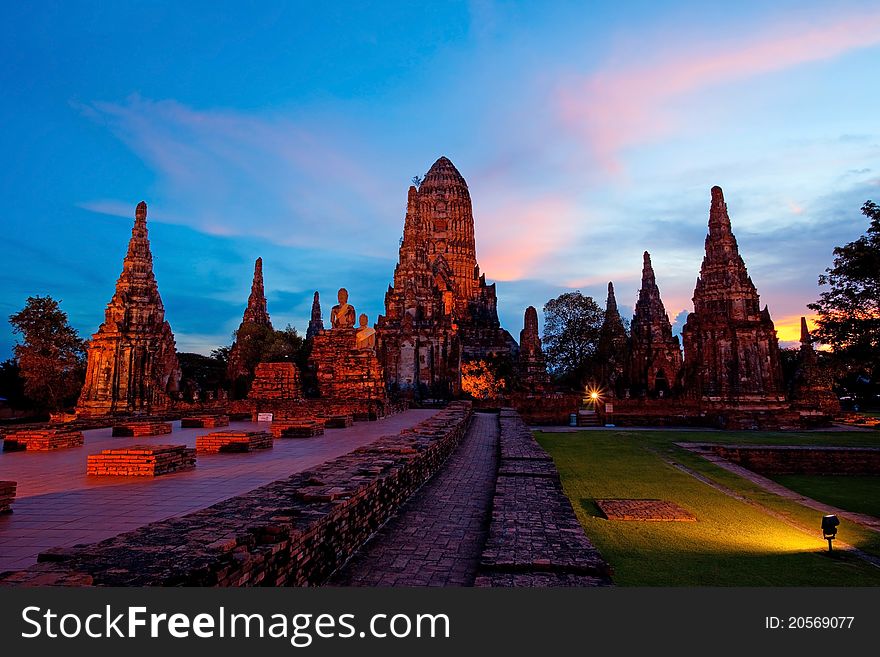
<point>292,182</point>
<point>620,106</point>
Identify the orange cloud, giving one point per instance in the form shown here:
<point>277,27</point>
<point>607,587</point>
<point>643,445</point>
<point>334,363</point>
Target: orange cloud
<point>523,233</point>
<point>788,328</point>
<point>621,107</point>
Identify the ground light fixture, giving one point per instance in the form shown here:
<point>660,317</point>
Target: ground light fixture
<point>829,528</point>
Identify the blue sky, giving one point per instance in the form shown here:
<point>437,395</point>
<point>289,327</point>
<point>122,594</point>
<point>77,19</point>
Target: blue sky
<point>588,132</point>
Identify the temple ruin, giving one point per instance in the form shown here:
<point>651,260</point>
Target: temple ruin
<point>439,309</point>
<point>132,359</point>
<point>255,319</point>
<point>654,364</point>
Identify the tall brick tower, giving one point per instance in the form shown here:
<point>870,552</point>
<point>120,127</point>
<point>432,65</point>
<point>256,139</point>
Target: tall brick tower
<point>256,316</point>
<point>132,359</point>
<point>731,351</point>
<point>655,354</point>
<point>439,310</point>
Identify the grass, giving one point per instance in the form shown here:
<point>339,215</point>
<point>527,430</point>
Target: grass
<point>860,494</point>
<point>732,544</point>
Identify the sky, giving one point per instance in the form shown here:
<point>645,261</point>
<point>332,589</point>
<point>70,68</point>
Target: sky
<point>587,132</point>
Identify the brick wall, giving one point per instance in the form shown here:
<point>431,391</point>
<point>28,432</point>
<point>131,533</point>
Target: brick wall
<point>294,531</point>
<point>803,460</point>
<point>535,538</point>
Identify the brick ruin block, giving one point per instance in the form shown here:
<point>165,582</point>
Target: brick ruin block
<point>142,461</point>
<point>234,441</point>
<point>297,428</point>
<point>338,421</point>
<point>205,422</point>
<point>42,440</point>
<point>347,375</point>
<point>132,359</point>
<point>140,429</point>
<point>7,496</point>
<point>276,382</point>
<point>644,511</point>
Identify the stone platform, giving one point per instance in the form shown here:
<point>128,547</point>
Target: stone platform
<point>7,496</point>
<point>142,461</point>
<point>534,537</point>
<point>272,535</point>
<point>234,441</point>
<point>644,511</point>
<point>42,440</point>
<point>205,422</point>
<point>338,421</point>
<point>301,428</point>
<point>140,429</point>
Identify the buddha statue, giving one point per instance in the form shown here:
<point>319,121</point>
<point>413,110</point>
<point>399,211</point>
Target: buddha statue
<point>342,315</point>
<point>366,335</point>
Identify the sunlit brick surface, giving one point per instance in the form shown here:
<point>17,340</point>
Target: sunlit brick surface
<point>59,505</point>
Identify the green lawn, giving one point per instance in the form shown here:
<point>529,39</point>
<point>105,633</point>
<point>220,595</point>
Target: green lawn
<point>732,544</point>
<point>852,493</point>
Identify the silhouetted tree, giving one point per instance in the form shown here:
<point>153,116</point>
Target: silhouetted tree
<point>849,311</point>
<point>572,324</point>
<point>50,356</point>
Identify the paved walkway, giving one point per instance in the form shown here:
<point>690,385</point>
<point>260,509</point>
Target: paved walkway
<point>58,505</point>
<point>437,537</point>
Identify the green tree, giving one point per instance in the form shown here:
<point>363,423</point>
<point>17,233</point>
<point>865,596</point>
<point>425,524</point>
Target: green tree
<point>572,325</point>
<point>849,310</point>
<point>50,355</point>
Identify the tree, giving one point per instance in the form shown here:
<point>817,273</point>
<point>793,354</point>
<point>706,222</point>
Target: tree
<point>572,324</point>
<point>257,343</point>
<point>51,355</point>
<point>849,311</point>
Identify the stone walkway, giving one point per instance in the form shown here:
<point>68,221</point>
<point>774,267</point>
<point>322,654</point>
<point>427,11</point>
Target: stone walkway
<point>58,505</point>
<point>437,537</point>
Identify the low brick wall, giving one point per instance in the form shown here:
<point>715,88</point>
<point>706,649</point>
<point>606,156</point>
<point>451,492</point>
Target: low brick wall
<point>234,441</point>
<point>770,460</point>
<point>301,428</point>
<point>294,532</point>
<point>139,429</point>
<point>7,496</point>
<point>141,461</point>
<point>42,440</point>
<point>204,422</point>
<point>535,538</point>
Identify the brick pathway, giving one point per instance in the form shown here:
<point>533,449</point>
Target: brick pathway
<point>437,537</point>
<point>58,505</point>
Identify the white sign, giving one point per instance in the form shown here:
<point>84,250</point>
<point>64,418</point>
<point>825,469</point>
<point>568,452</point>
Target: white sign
<point>609,408</point>
<point>264,417</point>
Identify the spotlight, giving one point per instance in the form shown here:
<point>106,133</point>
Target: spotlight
<point>829,529</point>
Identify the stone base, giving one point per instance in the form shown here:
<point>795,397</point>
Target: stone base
<point>276,382</point>
<point>233,441</point>
<point>338,422</point>
<point>139,429</point>
<point>42,440</point>
<point>205,422</point>
<point>302,428</point>
<point>7,496</point>
<point>346,374</point>
<point>644,510</point>
<point>142,461</point>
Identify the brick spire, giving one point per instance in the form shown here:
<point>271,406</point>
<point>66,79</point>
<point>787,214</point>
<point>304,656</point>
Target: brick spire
<point>611,349</point>
<point>315,323</point>
<point>132,359</point>
<point>256,311</point>
<point>655,356</point>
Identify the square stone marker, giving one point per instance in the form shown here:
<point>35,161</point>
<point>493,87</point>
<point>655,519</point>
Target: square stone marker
<point>644,510</point>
